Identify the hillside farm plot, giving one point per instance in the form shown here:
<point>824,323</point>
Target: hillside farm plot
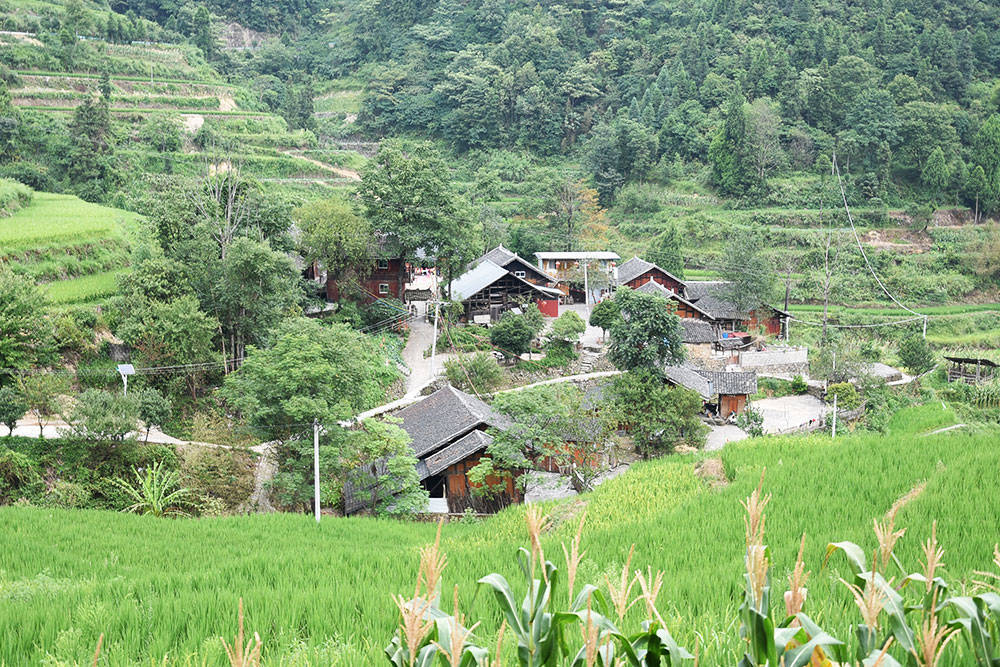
<point>54,220</point>
<point>321,593</point>
<point>82,290</point>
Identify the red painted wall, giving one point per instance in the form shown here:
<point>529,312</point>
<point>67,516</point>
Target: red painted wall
<point>548,307</point>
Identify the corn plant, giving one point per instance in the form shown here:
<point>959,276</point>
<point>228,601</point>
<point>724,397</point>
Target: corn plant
<point>794,641</point>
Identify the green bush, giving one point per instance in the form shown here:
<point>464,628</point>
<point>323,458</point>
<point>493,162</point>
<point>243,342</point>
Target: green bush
<point>479,373</point>
<point>221,478</point>
<point>847,395</point>
<point>18,475</point>
<point>68,495</point>
<point>799,385</point>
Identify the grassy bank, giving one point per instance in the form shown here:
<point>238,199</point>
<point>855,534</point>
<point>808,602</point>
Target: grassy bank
<point>322,593</point>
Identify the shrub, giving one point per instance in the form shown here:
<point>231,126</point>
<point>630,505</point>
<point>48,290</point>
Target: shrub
<point>221,478</point>
<point>12,407</point>
<point>799,385</point>
<point>846,394</point>
<point>68,495</point>
<point>512,335</point>
<point>479,373</point>
<point>17,474</point>
<point>751,420</point>
<point>915,354</point>
<point>568,327</point>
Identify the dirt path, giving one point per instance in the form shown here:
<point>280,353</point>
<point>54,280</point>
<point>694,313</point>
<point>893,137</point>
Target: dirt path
<point>339,171</point>
<point>193,122</point>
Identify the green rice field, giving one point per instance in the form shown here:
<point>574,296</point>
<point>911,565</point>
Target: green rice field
<point>54,220</point>
<point>321,594</point>
<point>83,289</point>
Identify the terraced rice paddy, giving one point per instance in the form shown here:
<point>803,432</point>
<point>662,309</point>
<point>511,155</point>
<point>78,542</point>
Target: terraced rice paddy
<point>158,587</point>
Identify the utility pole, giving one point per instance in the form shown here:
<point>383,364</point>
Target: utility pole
<point>586,289</point>
<point>834,416</point>
<point>316,467</point>
<point>434,343</point>
<point>925,327</point>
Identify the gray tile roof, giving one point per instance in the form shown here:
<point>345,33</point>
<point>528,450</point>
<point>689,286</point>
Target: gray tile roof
<point>731,383</point>
<point>485,274</point>
<point>499,256</point>
<point>476,279</point>
<point>687,377</point>
<point>698,331</point>
<point>653,287</point>
<point>443,416</point>
<point>467,445</point>
<point>696,289</point>
<point>636,266</point>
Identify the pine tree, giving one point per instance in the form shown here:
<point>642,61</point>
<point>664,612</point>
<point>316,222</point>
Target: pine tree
<point>203,38</point>
<point>91,160</point>
<point>667,253</point>
<point>976,186</point>
<point>935,175</point>
<point>729,153</point>
<point>10,121</point>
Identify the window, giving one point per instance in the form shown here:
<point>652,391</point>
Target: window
<point>383,288</point>
<point>383,264</point>
<point>519,274</point>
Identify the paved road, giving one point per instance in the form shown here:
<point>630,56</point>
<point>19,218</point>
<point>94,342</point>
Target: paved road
<point>592,337</point>
<point>719,436</point>
<point>790,412</point>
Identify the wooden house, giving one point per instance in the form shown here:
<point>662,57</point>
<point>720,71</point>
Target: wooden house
<point>683,308</point>
<point>709,297</point>
<point>722,392</point>
<point>565,267</point>
<point>637,272</point>
<point>449,436</point>
<point>385,278</point>
<point>514,263</point>
<point>488,291</point>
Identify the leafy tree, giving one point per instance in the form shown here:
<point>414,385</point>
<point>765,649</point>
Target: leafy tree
<point>568,327</point>
<point>512,335</point>
<point>618,152</point>
<point>408,195</point>
<point>90,160</point>
<point>548,424</point>
<point>163,133</point>
<point>647,334</point>
<point>731,154</point>
<point>846,395</point>
<point>309,371</point>
<point>255,287</point>
<point>178,333</point>
<point>336,237</point>
<point>41,392</point>
<point>10,122</point>
<point>26,334</point>
<point>479,373</point>
<point>604,315</point>
<point>103,416</point>
<point>13,406</point>
<point>203,37</point>
<point>748,272</point>
<point>658,416</point>
<point>383,469</point>
<point>916,354</point>
<point>667,253</point>
<point>153,408</point>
